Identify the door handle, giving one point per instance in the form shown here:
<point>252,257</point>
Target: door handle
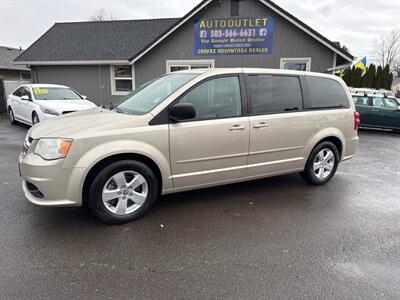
<point>237,127</point>
<point>375,110</point>
<point>261,125</point>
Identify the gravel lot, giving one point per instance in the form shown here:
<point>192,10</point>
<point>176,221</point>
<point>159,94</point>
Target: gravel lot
<point>271,238</point>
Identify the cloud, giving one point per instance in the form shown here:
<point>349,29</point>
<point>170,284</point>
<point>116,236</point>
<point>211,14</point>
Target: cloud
<point>354,23</point>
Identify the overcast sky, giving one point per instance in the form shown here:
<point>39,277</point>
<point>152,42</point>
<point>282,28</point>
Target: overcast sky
<point>354,23</point>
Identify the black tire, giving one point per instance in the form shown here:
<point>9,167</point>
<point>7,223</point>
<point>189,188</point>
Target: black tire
<point>35,118</point>
<point>309,175</point>
<point>96,204</point>
<point>11,116</point>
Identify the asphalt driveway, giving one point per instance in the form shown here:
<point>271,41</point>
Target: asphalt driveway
<point>271,238</point>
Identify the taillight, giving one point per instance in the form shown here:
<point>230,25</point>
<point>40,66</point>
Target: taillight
<point>356,120</point>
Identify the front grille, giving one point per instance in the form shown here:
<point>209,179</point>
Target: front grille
<point>67,112</point>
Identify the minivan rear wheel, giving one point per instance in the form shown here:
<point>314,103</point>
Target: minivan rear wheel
<point>123,192</point>
<point>321,164</point>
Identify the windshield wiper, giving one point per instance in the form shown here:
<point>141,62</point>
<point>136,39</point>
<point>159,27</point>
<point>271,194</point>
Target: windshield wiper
<point>117,109</point>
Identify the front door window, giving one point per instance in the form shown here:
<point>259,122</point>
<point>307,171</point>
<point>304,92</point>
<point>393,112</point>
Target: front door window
<point>215,99</point>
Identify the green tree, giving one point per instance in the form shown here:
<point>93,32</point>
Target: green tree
<point>357,79</point>
<point>353,77</point>
<point>378,79</point>
<point>372,73</point>
<point>390,80</point>
<point>385,77</point>
<point>347,76</point>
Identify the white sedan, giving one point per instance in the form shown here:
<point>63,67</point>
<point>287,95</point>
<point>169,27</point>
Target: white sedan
<point>32,103</point>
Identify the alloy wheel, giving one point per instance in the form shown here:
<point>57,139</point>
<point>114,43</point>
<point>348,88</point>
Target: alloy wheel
<point>324,163</point>
<point>125,192</point>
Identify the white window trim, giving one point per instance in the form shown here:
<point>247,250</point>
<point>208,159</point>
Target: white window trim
<point>188,63</point>
<point>306,60</point>
<point>113,78</point>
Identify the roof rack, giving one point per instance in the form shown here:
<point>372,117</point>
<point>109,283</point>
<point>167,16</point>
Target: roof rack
<point>372,92</point>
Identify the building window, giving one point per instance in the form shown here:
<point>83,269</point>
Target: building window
<point>122,79</point>
<point>178,65</point>
<point>298,64</point>
<point>25,75</point>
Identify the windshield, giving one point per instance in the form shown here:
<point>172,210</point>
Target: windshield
<point>146,97</point>
<point>55,93</point>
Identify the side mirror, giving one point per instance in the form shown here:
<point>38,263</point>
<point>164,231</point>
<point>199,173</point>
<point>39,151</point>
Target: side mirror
<point>182,111</point>
<point>25,97</point>
<point>398,107</point>
<point>84,97</point>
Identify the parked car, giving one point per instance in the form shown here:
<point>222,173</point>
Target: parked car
<point>32,103</point>
<point>378,111</point>
<point>187,130</point>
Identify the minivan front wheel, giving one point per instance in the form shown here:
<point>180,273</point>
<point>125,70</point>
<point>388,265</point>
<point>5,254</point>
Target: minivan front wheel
<point>322,164</point>
<point>123,191</point>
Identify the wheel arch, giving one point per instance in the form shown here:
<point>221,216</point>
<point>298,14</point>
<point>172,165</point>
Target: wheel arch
<point>332,135</point>
<point>334,140</point>
<point>117,157</point>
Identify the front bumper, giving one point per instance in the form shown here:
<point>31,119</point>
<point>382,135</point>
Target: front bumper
<point>58,186</point>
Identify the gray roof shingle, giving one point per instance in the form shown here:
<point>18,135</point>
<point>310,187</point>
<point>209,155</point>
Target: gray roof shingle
<point>7,56</point>
<point>98,40</point>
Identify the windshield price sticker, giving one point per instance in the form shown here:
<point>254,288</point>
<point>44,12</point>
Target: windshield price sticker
<point>229,36</point>
<point>38,91</point>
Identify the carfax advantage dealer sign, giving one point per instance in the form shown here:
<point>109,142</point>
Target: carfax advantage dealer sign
<point>230,36</point>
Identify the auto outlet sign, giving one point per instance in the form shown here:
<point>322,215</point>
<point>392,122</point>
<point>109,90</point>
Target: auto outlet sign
<point>233,36</point>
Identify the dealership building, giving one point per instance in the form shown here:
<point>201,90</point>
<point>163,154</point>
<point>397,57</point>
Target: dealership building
<point>105,60</point>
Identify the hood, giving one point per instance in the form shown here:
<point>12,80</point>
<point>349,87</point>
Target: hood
<point>87,122</point>
<point>61,106</point>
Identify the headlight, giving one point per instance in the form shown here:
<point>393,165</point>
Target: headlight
<point>49,111</point>
<point>50,148</point>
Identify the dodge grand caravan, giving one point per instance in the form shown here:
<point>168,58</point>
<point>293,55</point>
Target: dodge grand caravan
<point>187,130</point>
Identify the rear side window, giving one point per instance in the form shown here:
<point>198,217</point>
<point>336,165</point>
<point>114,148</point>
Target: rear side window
<point>274,94</point>
<point>325,93</point>
<point>359,100</point>
<point>378,102</point>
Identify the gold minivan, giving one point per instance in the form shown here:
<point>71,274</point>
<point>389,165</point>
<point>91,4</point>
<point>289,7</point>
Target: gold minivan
<point>187,130</point>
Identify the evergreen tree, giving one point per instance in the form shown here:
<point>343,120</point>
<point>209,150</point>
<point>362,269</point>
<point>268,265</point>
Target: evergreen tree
<point>390,81</point>
<point>357,79</point>
<point>369,76</point>
<point>372,71</point>
<point>347,76</point>
<point>353,77</point>
<point>385,77</point>
<point>364,79</point>
<point>378,79</point>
